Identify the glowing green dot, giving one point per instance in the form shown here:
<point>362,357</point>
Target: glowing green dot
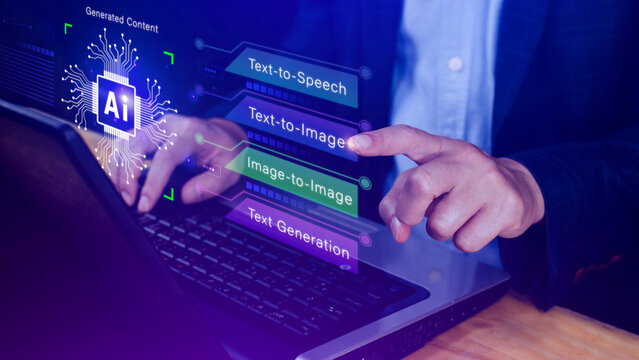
<point>199,139</point>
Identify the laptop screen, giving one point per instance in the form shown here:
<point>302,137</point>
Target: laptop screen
<point>238,94</point>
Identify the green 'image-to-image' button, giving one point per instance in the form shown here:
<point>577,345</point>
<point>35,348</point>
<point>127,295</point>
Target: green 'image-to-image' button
<point>310,184</point>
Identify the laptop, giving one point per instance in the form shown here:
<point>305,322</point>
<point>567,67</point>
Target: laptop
<point>261,295</point>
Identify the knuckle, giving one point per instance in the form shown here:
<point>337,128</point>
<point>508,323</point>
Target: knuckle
<point>428,179</point>
<point>513,205</point>
<point>513,202</point>
<point>418,182</point>
<point>469,152</point>
<point>495,177</point>
<point>439,227</point>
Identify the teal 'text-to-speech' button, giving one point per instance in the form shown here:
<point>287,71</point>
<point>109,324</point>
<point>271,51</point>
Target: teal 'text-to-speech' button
<point>319,81</point>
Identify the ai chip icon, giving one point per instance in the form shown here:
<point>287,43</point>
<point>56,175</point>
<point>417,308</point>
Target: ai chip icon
<point>116,107</point>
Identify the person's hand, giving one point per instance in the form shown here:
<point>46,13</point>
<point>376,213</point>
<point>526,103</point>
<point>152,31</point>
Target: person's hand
<point>464,192</point>
<point>222,132</point>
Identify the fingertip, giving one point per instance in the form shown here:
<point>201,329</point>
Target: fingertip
<point>400,231</point>
<point>128,199</point>
<point>145,204</point>
<point>359,143</point>
<point>192,193</point>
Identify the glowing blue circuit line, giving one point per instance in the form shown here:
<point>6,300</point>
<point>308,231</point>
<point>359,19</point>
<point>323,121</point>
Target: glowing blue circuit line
<point>280,51</point>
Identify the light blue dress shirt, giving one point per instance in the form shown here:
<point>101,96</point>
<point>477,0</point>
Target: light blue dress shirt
<point>444,78</point>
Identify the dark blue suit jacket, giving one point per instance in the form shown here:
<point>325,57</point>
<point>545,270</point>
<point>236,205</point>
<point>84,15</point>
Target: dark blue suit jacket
<point>566,106</point>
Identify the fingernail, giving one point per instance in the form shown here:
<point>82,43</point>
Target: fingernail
<point>126,197</point>
<point>359,142</point>
<point>395,226</point>
<point>144,205</point>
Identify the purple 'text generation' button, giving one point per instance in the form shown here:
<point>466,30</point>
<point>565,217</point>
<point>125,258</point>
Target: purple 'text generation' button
<point>300,234</point>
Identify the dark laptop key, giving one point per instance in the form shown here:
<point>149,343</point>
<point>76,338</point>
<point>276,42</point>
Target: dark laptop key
<point>275,300</point>
<point>172,249</point>
<point>199,268</point>
<point>185,227</point>
<point>237,240</point>
<point>144,219</point>
<point>198,233</point>
<point>236,283</point>
<point>265,263</point>
<point>230,248</point>
<point>160,241</point>
<point>295,309</point>
<point>188,255</point>
<point>300,279</point>
<point>329,309</point>
<point>319,288</point>
<point>224,290</point>
<point>196,249</point>
<point>220,234</point>
<point>333,276</point>
<point>316,320</point>
<point>299,327</point>
<point>252,272</point>
<point>355,303</point>
<point>246,255</point>
<point>153,228</point>
<point>285,288</point>
<point>283,271</point>
<point>268,281</point>
<point>220,274</point>
<point>209,225</point>
<point>277,316</point>
<point>214,244</point>
<point>311,267</point>
<point>256,245</point>
<point>240,299</point>
<point>305,297</point>
<point>234,263</point>
<point>357,291</point>
<point>258,307</point>
<point>257,292</point>
<point>193,219</point>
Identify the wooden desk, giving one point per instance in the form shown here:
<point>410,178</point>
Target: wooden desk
<point>513,328</point>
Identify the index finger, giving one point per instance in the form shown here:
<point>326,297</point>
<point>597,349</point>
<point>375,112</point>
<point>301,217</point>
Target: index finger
<point>416,144</point>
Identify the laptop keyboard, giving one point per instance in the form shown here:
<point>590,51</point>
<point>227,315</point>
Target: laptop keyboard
<point>289,288</point>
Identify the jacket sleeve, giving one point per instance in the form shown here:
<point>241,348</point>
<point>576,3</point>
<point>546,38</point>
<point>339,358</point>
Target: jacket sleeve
<point>591,195</point>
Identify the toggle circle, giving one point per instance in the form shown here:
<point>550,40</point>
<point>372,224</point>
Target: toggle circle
<point>365,239</point>
<point>365,183</point>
